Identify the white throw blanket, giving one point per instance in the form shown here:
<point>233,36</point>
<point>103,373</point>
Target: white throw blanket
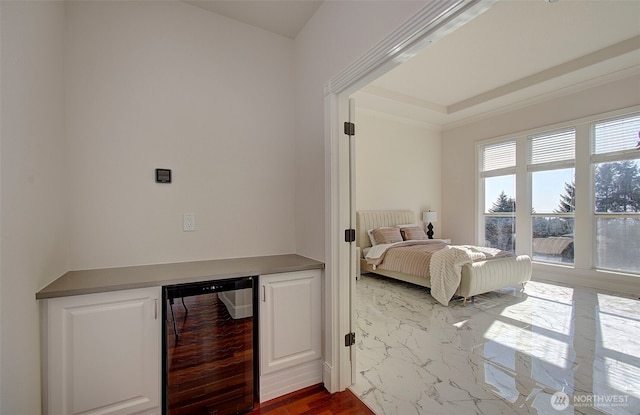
<point>445,265</point>
<point>445,268</point>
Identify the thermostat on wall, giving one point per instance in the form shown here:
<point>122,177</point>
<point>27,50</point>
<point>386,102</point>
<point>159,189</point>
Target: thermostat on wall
<point>163,176</point>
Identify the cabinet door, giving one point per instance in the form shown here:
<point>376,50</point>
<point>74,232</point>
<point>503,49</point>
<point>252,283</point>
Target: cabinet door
<point>290,320</point>
<point>103,353</point>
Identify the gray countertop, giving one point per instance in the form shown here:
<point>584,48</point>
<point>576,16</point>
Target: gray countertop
<point>125,278</point>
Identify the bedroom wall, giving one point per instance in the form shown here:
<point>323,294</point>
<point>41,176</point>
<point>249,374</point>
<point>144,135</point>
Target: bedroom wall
<point>397,165</point>
<point>33,190</point>
<point>164,84</point>
<point>458,144</point>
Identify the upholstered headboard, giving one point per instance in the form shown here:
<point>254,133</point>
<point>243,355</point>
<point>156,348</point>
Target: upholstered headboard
<point>372,219</point>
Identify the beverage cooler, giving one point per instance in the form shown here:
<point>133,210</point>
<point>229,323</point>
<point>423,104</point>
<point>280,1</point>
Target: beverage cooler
<point>210,347</point>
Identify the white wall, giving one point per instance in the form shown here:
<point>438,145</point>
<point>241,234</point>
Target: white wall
<point>95,96</point>
<point>167,85</point>
<point>33,188</point>
<point>337,35</point>
<point>397,165</point>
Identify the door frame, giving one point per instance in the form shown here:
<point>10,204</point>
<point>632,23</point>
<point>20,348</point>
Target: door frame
<point>434,21</point>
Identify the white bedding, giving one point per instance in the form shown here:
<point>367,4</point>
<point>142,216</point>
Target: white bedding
<point>476,277</point>
<point>445,267</point>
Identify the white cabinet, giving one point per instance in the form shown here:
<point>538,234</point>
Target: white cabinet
<point>290,332</point>
<point>102,353</point>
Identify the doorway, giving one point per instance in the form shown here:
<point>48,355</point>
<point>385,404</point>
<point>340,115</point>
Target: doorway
<point>434,21</point>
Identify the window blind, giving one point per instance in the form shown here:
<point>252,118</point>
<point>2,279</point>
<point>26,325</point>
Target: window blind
<point>498,156</point>
<point>616,135</point>
<point>554,147</point>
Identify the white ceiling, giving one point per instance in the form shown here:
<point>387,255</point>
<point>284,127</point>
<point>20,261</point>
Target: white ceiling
<point>516,53</point>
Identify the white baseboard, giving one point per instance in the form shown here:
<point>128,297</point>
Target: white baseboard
<point>273,385</point>
<point>327,379</point>
<point>236,310</point>
<point>603,280</point>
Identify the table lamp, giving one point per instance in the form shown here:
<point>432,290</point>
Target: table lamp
<point>428,217</point>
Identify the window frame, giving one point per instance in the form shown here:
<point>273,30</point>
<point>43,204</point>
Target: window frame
<point>482,175</point>
<point>532,167</point>
<point>584,215</point>
<point>608,157</point>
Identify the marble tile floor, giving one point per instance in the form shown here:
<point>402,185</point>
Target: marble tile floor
<point>547,350</point>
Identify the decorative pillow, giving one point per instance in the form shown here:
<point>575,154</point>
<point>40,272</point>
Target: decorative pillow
<point>372,239</point>
<point>387,235</point>
<point>413,233</point>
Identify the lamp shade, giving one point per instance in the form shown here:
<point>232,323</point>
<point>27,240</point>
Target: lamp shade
<point>428,217</point>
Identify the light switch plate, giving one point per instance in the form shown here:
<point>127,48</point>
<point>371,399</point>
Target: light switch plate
<point>189,222</point>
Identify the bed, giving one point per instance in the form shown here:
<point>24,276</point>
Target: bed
<point>474,277</point>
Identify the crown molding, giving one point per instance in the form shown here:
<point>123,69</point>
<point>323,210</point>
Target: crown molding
<point>435,20</point>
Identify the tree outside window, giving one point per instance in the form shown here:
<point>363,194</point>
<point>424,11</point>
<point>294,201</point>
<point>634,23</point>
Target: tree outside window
<point>500,230</point>
<point>616,162</point>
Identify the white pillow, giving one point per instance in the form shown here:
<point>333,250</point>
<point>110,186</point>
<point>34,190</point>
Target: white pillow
<point>371,238</point>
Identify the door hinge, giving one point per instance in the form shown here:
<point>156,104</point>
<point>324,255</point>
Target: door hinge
<point>349,128</point>
<point>349,339</point>
<point>349,235</point>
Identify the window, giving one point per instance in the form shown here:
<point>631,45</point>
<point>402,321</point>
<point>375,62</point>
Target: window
<point>578,193</point>
<point>497,173</point>
<point>615,161</point>
<point>550,163</point>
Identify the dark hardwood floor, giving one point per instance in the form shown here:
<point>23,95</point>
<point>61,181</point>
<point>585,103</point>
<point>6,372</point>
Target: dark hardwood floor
<point>210,363</point>
<point>211,371</point>
<point>314,400</point>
